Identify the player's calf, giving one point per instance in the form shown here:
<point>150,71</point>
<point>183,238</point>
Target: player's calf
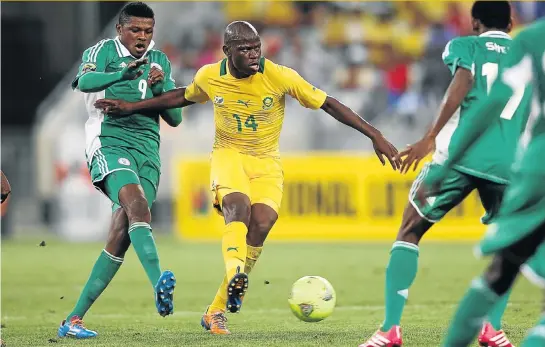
<point>402,266</point>
<point>133,201</point>
<point>119,240</point>
<point>262,220</point>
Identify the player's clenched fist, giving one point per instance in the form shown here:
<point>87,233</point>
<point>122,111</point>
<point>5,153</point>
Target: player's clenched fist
<point>156,75</point>
<point>132,71</point>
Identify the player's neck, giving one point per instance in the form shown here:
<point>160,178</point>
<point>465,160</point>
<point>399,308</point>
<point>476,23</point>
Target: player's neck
<point>485,30</point>
<point>234,72</point>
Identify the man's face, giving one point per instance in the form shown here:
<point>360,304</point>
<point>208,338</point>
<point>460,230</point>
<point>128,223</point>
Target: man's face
<point>136,35</point>
<point>245,55</point>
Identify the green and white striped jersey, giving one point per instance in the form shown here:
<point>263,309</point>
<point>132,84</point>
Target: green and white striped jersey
<point>137,131</point>
<point>492,155</point>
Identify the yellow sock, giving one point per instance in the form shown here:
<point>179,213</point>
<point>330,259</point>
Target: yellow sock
<point>251,257</point>
<point>234,248</point>
<point>220,300</point>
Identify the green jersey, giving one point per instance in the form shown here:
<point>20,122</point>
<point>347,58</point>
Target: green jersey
<point>526,67</point>
<point>491,156</point>
<point>136,131</point>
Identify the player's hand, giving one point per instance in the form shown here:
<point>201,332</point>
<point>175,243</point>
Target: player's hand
<point>5,186</point>
<point>384,148</point>
<point>415,153</point>
<point>114,107</point>
<point>132,71</point>
<point>155,76</point>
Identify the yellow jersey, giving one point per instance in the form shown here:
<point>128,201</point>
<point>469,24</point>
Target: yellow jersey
<point>249,112</point>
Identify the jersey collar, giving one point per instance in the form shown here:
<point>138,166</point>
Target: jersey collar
<point>122,51</point>
<point>496,34</point>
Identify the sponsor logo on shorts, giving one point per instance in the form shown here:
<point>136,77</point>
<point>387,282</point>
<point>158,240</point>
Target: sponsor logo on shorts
<point>124,161</point>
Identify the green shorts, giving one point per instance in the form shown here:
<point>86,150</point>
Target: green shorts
<point>453,190</point>
<point>112,168</point>
<point>521,217</point>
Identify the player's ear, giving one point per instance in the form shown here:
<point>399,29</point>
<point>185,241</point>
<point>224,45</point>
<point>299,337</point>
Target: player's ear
<point>475,24</point>
<point>118,29</point>
<point>510,25</point>
<point>226,51</point>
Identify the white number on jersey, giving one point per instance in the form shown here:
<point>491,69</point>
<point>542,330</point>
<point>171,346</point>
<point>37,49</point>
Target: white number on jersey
<point>490,71</point>
<point>143,87</point>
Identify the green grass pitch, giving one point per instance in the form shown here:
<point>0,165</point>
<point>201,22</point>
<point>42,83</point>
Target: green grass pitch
<point>41,284</point>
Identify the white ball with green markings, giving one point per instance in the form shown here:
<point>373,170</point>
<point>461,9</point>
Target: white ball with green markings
<point>312,298</point>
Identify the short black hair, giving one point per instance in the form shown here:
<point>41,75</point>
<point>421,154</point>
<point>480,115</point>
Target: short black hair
<point>135,9</point>
<point>492,14</point>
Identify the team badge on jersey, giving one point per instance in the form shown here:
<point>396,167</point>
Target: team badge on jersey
<point>88,67</point>
<point>124,161</point>
<point>218,100</point>
<point>267,103</point>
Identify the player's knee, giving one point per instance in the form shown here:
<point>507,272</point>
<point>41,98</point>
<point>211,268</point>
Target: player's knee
<point>118,239</point>
<point>413,226</point>
<point>138,211</point>
<point>410,232</point>
<point>236,208</point>
<point>501,273</point>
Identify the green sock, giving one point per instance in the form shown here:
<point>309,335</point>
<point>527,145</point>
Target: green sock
<point>144,246</point>
<point>104,270</point>
<point>536,336</point>
<point>470,315</point>
<point>496,314</point>
<point>400,274</point>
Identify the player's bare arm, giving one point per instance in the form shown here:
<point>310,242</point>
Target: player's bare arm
<point>156,80</point>
<point>171,99</point>
<point>345,115</point>
<point>92,81</point>
<point>459,87</point>
<point>6,188</point>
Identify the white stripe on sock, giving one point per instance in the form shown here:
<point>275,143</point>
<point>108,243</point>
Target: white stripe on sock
<point>113,257</point>
<point>139,225</point>
<point>403,244</point>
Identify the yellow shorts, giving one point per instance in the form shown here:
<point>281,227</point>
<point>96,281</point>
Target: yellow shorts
<point>261,179</point>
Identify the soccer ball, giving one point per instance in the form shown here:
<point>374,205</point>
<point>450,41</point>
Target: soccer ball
<point>312,298</point>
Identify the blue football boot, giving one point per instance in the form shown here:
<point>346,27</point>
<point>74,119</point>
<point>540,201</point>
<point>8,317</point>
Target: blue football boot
<point>75,328</point>
<point>163,293</point>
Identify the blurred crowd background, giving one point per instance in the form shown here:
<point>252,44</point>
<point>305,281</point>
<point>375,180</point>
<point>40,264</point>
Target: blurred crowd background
<point>383,59</point>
